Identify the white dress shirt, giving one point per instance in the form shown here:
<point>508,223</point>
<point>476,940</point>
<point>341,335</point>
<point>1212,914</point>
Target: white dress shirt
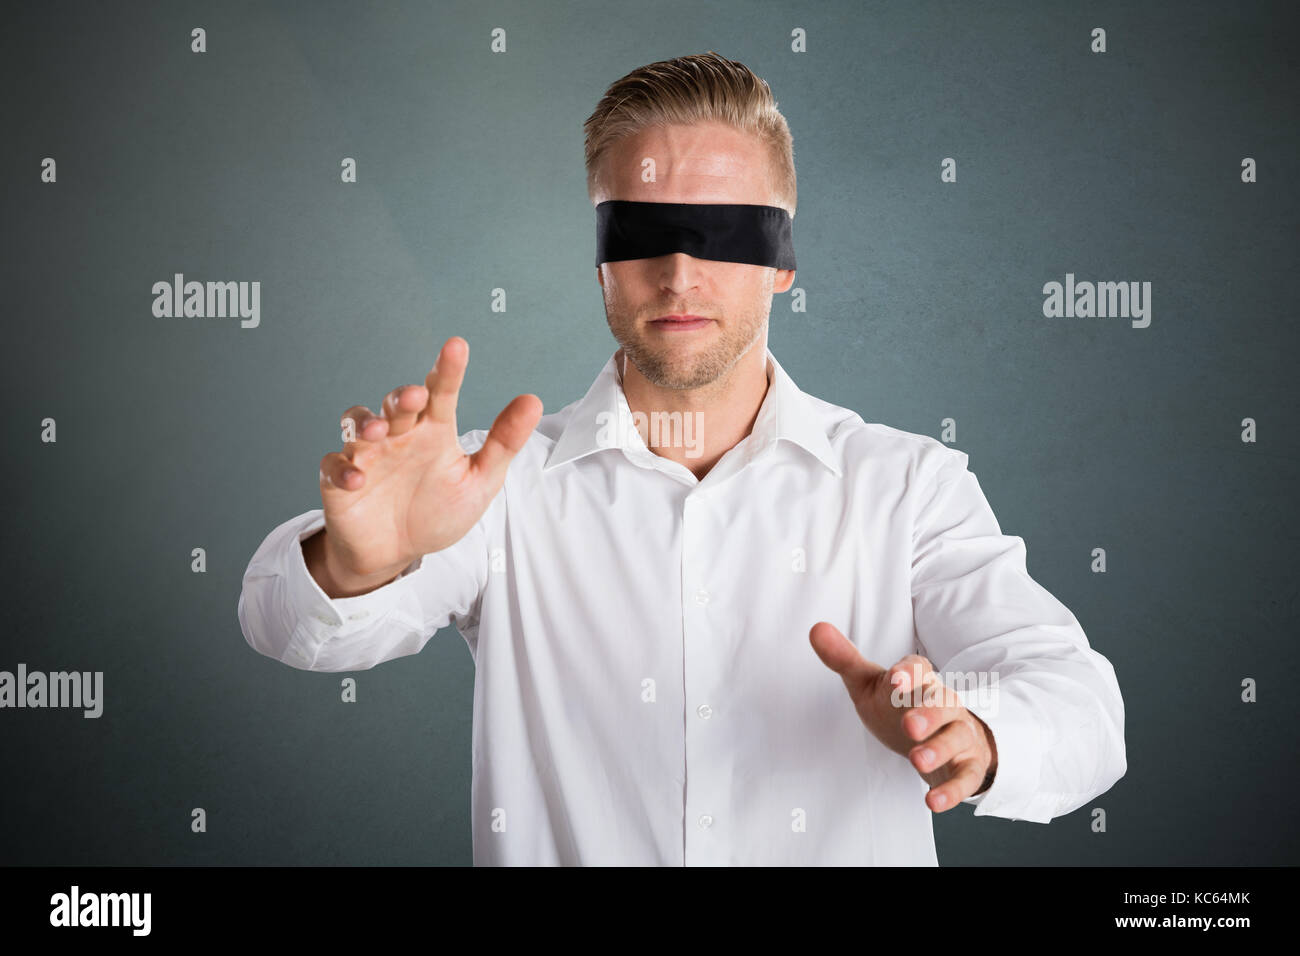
<point>645,691</point>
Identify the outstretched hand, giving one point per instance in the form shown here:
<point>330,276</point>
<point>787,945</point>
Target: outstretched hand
<point>402,486</point>
<point>909,709</point>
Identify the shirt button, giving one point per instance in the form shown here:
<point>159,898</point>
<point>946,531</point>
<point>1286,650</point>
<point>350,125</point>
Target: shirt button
<point>706,821</point>
<point>325,620</point>
<point>358,616</point>
<point>705,711</point>
<point>701,596</point>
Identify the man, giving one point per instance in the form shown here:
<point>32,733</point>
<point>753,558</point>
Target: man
<point>726,645</point>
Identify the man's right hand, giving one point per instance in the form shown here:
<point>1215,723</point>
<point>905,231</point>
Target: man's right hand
<point>405,487</point>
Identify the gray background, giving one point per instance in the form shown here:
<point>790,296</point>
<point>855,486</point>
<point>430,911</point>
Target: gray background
<point>924,302</point>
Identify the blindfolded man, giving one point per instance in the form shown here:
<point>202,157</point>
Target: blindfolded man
<point>715,620</point>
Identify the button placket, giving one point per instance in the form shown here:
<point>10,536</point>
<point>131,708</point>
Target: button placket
<point>701,673</point>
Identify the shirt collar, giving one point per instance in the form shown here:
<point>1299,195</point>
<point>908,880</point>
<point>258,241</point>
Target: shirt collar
<point>786,413</point>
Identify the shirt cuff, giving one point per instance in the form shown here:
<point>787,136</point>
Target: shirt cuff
<point>1014,792</point>
<point>322,618</point>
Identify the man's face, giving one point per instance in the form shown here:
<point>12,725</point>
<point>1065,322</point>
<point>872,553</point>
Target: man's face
<point>701,163</point>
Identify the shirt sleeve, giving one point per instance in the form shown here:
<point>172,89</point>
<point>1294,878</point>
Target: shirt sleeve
<point>1017,657</point>
<point>284,613</point>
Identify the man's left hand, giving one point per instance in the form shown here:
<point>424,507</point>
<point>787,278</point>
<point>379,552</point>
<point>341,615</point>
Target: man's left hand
<point>912,712</point>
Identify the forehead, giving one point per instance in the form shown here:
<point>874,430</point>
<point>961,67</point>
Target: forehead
<point>699,163</point>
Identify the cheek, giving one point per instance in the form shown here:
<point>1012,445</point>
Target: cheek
<point>628,272</point>
<point>625,283</point>
<point>745,281</point>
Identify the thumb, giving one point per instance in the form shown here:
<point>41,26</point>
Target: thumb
<point>508,435</point>
<point>841,655</point>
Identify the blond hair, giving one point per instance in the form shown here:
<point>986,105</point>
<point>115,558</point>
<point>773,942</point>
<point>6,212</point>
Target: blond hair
<point>702,87</point>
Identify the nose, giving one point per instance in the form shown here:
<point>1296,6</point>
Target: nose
<point>680,272</point>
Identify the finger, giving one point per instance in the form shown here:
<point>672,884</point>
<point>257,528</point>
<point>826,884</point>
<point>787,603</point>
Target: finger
<point>360,422</point>
<point>402,406</point>
<point>506,436</point>
<point>967,776</point>
<point>951,740</point>
<point>922,722</point>
<point>929,704</point>
<point>337,471</point>
<point>911,673</point>
<point>843,657</point>
<point>444,381</point>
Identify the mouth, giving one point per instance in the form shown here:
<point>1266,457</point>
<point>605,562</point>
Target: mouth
<point>679,323</point>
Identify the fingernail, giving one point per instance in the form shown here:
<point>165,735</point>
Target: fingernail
<point>941,800</point>
<point>927,756</point>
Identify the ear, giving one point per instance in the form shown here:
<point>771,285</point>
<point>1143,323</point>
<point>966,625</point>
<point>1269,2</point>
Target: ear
<point>600,277</point>
<point>783,280</point>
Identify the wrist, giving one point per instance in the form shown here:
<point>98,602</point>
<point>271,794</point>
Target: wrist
<point>991,771</point>
<point>335,576</point>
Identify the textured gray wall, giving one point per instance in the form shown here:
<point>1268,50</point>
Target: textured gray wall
<point>925,302</point>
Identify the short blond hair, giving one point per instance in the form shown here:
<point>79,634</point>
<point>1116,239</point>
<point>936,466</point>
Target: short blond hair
<point>702,87</point>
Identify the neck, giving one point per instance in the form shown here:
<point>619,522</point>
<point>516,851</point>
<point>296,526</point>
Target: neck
<point>695,427</point>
